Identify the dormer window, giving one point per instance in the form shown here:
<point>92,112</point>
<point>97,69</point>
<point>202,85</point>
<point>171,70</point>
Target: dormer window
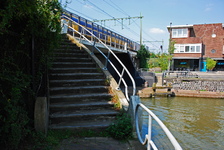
<point>179,33</point>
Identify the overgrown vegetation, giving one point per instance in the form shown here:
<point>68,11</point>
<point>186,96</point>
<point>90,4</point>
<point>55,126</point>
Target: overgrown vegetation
<point>142,55</point>
<point>23,24</point>
<point>210,63</point>
<point>122,128</point>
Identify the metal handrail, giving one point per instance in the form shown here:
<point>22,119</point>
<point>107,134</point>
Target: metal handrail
<point>148,137</point>
<point>106,57</point>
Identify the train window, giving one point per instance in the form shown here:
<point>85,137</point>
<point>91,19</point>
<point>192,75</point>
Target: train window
<point>89,24</point>
<point>94,27</point>
<point>82,21</point>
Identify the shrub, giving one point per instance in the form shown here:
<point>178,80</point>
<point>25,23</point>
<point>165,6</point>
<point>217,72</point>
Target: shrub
<point>121,129</point>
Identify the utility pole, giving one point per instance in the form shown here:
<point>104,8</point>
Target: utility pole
<point>169,48</point>
<point>140,30</point>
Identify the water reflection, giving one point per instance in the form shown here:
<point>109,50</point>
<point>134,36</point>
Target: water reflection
<point>197,123</point>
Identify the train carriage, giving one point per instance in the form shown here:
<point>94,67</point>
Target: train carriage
<point>107,36</point>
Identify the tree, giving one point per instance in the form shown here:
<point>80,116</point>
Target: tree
<point>170,51</point>
<point>143,54</point>
<point>22,23</point>
<point>164,61</point>
<point>210,63</point>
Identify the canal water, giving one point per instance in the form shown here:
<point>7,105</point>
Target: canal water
<point>196,123</point>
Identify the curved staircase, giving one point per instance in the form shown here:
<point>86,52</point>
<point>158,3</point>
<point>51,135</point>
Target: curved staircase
<point>79,98</point>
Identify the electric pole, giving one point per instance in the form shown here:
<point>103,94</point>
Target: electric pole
<point>169,48</point>
<point>140,30</point>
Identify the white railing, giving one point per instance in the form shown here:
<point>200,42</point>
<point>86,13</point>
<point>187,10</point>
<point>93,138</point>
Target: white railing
<point>106,57</point>
<point>148,140</point>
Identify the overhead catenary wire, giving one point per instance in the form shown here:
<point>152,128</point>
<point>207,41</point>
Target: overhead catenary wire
<point>125,13</point>
<point>104,12</point>
<point>133,32</point>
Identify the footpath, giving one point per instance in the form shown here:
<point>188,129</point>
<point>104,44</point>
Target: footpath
<point>98,143</point>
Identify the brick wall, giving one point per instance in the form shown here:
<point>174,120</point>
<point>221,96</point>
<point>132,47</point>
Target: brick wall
<point>187,55</point>
<point>205,31</point>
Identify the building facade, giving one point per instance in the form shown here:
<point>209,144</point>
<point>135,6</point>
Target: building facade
<point>194,43</point>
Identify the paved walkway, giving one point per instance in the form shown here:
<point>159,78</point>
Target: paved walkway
<point>98,143</point>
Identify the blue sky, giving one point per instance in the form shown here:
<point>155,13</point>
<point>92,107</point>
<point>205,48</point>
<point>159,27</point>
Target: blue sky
<point>157,15</point>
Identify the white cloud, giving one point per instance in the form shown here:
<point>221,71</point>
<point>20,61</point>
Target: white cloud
<point>156,30</point>
<point>207,9</point>
<point>209,5</point>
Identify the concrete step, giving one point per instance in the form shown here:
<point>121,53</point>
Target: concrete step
<point>79,99</point>
<point>74,70</point>
<point>97,126</point>
<point>79,90</point>
<point>81,82</point>
<point>67,50</point>
<point>72,64</point>
<point>70,98</point>
<point>73,76</point>
<point>68,54</point>
<point>72,59</point>
<point>98,105</point>
<point>81,115</point>
<point>68,44</point>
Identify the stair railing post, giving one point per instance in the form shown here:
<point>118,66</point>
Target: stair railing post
<point>105,68</point>
<point>81,35</point>
<point>149,133</point>
<point>122,73</point>
<point>93,46</point>
<point>73,30</point>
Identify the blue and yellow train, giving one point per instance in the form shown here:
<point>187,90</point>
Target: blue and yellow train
<point>107,36</point>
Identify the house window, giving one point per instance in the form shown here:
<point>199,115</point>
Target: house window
<point>213,51</point>
<point>179,33</point>
<point>187,48</point>
<point>198,49</point>
<point>193,48</point>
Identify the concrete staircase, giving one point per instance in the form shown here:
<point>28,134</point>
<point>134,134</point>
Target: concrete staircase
<point>79,98</point>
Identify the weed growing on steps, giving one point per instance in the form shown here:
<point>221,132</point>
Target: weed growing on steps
<point>121,129</point>
<point>99,71</point>
<point>107,82</point>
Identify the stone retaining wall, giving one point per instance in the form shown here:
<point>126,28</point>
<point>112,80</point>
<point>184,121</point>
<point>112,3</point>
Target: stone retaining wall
<point>205,85</point>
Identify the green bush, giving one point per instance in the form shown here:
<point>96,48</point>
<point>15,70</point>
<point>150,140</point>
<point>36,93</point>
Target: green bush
<point>210,63</point>
<point>122,128</point>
